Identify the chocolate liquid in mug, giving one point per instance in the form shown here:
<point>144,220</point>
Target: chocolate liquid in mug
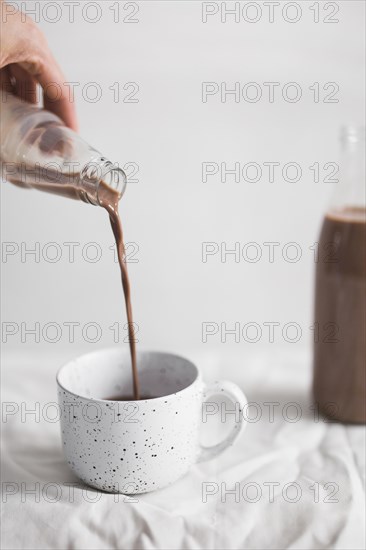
<point>120,397</point>
<point>340,349</point>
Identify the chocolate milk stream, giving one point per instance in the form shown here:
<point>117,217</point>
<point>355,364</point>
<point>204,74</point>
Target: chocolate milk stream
<point>109,199</point>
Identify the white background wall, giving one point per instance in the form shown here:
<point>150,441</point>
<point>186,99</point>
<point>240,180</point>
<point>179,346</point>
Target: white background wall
<point>169,132</point>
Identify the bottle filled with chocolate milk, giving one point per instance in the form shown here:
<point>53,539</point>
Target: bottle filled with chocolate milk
<point>339,384</point>
<point>38,151</point>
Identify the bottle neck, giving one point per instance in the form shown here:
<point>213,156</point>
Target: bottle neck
<point>350,190</point>
<point>100,175</point>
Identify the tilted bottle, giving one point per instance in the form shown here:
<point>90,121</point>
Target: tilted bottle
<point>38,151</point>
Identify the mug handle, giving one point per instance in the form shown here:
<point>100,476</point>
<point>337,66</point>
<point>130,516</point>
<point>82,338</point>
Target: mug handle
<point>234,393</point>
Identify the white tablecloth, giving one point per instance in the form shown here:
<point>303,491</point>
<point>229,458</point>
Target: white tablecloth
<point>297,485</point>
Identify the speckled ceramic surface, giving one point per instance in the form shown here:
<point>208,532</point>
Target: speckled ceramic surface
<point>135,446</point>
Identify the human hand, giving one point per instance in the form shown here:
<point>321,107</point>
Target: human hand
<point>25,60</point>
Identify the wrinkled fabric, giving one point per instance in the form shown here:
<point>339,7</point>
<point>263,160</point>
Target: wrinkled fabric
<point>292,481</point>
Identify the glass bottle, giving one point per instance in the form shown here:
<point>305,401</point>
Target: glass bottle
<point>339,384</point>
<point>38,151</point>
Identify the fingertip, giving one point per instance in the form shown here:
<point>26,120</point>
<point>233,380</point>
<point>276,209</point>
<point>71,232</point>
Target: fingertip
<point>75,125</point>
<point>56,97</point>
<point>70,119</point>
<point>64,109</point>
<point>70,115</point>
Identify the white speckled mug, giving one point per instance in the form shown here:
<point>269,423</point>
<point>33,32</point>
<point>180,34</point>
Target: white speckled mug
<point>136,446</point>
